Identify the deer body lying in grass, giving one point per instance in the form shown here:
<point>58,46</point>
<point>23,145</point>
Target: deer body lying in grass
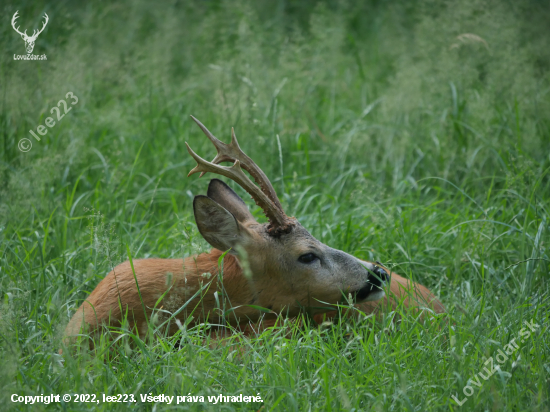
<point>278,266</point>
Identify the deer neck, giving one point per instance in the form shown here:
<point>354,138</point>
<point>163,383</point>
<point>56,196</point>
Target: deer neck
<point>223,291</point>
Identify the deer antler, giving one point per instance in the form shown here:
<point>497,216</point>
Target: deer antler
<point>15,16</point>
<point>35,35</point>
<point>264,196</point>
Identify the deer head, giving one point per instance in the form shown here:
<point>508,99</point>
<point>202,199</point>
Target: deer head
<point>29,40</point>
<point>282,255</point>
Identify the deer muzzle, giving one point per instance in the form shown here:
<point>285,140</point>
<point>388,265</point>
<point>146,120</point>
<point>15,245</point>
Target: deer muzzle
<point>374,287</point>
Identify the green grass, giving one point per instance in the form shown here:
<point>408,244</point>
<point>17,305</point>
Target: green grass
<point>400,142</point>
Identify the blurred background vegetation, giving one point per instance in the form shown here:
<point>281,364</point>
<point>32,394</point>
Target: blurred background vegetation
<point>451,89</point>
<point>413,133</point>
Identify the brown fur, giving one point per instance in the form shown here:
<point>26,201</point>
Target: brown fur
<point>414,298</point>
<point>180,279</point>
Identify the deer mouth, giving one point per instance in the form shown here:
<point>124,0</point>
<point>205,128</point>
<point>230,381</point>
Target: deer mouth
<point>374,288</point>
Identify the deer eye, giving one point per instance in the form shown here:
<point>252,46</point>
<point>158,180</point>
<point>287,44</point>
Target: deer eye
<point>308,258</point>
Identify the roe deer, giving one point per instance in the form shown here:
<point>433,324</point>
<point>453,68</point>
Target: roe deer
<point>277,265</point>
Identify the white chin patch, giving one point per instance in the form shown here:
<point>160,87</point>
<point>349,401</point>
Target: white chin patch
<point>375,296</point>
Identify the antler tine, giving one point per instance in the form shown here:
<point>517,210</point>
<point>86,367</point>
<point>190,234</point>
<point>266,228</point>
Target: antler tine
<point>43,27</point>
<point>218,144</point>
<point>15,16</point>
<point>231,152</point>
<point>235,173</point>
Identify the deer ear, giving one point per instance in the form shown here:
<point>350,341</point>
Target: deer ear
<point>226,197</point>
<point>216,225</point>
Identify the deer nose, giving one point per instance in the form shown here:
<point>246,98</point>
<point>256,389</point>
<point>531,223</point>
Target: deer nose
<point>378,275</point>
<point>376,279</point>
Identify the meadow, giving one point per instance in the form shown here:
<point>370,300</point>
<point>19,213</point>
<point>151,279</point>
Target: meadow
<point>416,134</point>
